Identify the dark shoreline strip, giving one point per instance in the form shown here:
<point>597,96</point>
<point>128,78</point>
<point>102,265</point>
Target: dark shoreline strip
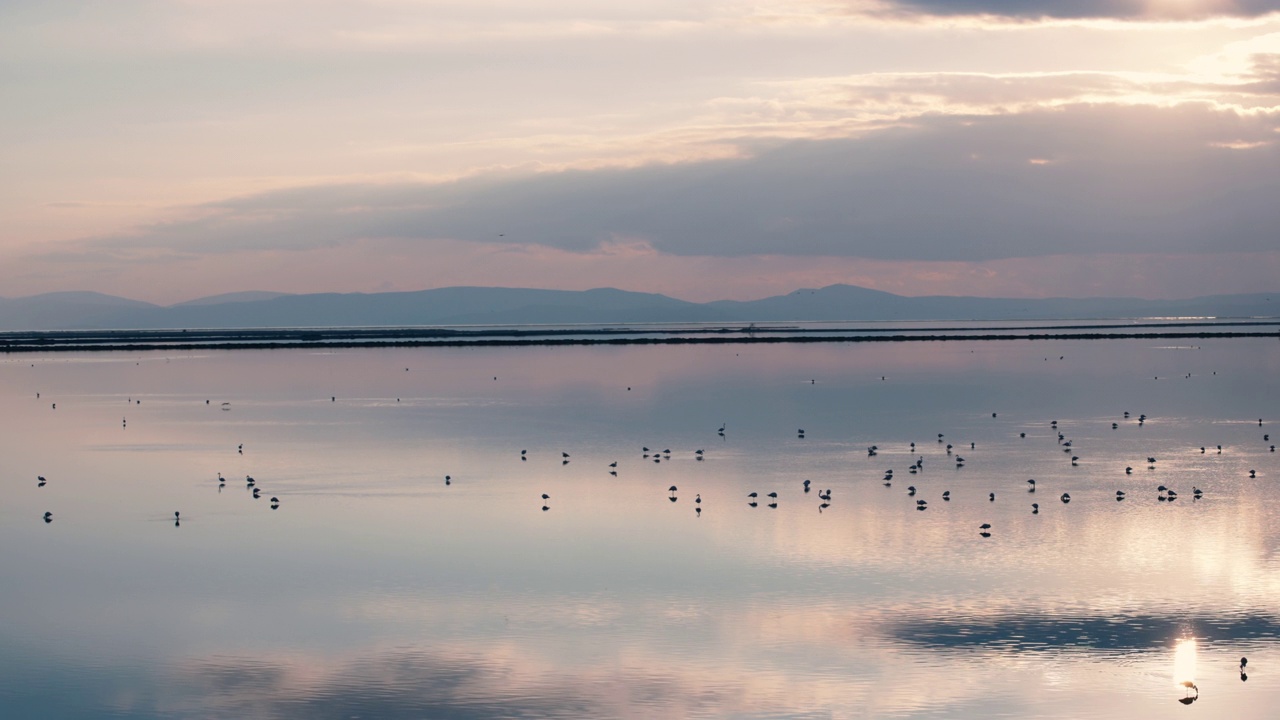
<point>48,344</point>
<point>310,334</point>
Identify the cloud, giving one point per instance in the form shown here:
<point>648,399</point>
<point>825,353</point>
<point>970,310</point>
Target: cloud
<point>1080,180</point>
<point>1088,9</point>
<point>1264,77</point>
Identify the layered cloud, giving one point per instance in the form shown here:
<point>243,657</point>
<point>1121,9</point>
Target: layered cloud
<point>1082,179</point>
<point>1082,9</point>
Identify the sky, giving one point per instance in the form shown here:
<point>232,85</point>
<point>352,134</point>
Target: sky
<point>164,150</point>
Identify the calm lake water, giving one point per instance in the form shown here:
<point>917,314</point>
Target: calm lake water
<point>375,590</point>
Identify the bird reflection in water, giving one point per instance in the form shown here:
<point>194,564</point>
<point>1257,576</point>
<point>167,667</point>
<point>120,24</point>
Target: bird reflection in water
<point>1184,670</point>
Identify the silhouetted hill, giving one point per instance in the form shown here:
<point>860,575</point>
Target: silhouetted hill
<point>248,296</point>
<point>837,303</point>
<point>65,310</point>
<point>517,306</point>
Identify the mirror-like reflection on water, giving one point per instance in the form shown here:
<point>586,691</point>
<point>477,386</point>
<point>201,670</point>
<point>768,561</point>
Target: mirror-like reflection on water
<point>375,588</point>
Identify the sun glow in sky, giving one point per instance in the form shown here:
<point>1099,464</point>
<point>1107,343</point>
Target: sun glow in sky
<point>727,149</point>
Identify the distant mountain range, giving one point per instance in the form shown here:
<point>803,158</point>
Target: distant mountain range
<point>514,306</point>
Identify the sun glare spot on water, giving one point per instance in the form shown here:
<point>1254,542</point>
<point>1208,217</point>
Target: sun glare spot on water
<point>1184,662</point>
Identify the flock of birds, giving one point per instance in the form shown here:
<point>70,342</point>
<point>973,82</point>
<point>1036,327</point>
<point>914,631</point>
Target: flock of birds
<point>1164,494</point>
<point>770,499</point>
<point>250,484</point>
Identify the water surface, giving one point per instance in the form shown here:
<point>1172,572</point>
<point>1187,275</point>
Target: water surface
<point>375,590</point>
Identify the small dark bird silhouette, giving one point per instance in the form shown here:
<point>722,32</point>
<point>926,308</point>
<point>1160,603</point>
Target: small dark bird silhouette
<point>1188,699</point>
